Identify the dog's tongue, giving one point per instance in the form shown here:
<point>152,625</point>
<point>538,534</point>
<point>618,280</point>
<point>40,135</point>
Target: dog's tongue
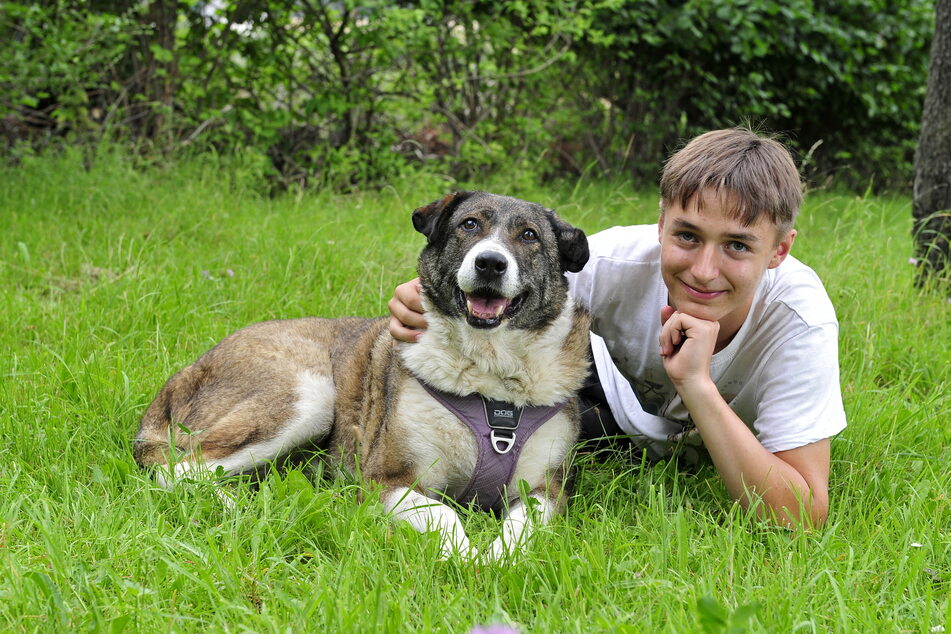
<point>485,307</point>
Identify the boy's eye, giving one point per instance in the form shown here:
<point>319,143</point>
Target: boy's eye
<point>738,247</point>
<point>686,236</point>
<point>469,224</point>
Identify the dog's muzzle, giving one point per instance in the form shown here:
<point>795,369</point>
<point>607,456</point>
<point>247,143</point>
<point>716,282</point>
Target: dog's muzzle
<point>485,308</point>
<point>488,288</point>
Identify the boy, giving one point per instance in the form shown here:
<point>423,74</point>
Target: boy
<point>747,362</point>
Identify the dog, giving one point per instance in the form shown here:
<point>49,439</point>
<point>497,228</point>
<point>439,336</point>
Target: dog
<point>504,340</point>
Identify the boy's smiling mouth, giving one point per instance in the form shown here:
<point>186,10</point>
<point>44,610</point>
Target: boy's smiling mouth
<point>700,293</point>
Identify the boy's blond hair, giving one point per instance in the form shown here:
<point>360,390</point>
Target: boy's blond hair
<point>754,175</point>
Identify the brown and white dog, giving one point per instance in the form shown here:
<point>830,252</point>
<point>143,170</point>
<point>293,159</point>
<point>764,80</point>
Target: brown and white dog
<point>500,324</point>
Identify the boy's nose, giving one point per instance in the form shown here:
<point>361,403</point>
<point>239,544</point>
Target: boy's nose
<point>705,267</point>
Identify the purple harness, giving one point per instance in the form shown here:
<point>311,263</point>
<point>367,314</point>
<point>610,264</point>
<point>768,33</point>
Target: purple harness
<point>494,425</point>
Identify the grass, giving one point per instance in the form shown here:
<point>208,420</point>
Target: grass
<point>115,277</point>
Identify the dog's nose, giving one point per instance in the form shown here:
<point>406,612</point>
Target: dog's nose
<point>490,263</point>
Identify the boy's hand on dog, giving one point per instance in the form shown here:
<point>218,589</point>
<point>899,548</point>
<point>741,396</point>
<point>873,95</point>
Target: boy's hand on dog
<point>407,321</point>
<point>686,345</point>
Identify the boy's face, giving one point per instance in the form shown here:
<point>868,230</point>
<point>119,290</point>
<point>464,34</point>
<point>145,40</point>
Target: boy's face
<point>712,264</point>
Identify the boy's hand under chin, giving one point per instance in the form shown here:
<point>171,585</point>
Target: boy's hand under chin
<point>687,345</point>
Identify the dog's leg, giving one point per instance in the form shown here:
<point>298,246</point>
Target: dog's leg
<point>519,524</point>
<point>425,514</point>
<point>215,453</point>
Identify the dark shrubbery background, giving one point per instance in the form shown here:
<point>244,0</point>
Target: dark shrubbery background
<point>337,93</point>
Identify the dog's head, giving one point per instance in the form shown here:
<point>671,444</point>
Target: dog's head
<point>495,260</point>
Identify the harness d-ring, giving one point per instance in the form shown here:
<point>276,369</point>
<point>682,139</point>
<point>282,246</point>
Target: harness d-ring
<point>502,440</point>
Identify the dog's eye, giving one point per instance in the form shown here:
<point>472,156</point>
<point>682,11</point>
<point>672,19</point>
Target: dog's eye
<point>529,235</point>
<point>469,224</point>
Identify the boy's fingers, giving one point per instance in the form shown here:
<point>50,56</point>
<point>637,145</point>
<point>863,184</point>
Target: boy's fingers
<point>670,333</point>
<point>406,309</point>
<point>677,328</point>
<point>408,294</point>
<point>681,327</point>
<point>406,315</point>
<point>402,333</point>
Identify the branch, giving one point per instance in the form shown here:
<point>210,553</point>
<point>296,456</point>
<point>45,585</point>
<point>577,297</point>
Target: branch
<point>530,71</point>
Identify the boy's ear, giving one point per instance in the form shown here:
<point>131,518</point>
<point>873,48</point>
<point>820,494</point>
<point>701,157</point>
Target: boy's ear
<point>782,249</point>
<point>425,219</point>
<point>660,218</point>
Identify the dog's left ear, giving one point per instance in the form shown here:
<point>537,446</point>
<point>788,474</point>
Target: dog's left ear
<point>572,244</point>
<point>426,218</point>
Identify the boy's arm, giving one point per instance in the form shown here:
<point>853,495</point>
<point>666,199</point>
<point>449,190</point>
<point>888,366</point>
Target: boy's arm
<point>793,484</point>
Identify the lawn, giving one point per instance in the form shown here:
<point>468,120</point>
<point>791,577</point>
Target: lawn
<point>114,277</point>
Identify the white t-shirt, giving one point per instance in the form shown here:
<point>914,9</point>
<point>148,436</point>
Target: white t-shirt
<point>779,374</point>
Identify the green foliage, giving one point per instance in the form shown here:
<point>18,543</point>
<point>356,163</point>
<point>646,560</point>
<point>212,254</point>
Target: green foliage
<point>489,73</point>
<point>57,64</point>
<point>340,93</point>
<point>306,83</point>
<point>843,78</point>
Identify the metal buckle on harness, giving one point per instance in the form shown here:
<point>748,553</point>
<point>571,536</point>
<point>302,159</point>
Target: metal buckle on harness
<point>502,440</point>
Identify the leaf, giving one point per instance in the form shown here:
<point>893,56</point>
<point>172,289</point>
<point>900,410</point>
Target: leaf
<point>712,615</point>
<point>297,482</point>
<point>743,615</point>
<point>161,54</point>
<point>51,591</point>
<point>120,624</point>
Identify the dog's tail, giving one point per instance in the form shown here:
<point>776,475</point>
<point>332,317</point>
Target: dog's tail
<point>157,430</point>
<point>150,446</point>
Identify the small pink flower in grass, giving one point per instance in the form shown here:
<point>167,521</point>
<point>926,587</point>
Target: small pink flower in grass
<point>493,629</point>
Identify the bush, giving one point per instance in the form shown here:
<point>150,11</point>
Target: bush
<point>352,92</point>
<point>845,79</point>
<point>59,69</point>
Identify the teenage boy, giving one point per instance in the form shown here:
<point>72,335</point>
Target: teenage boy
<point>706,334</point>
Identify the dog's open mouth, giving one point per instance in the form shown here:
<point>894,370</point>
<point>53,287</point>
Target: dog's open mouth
<point>486,308</point>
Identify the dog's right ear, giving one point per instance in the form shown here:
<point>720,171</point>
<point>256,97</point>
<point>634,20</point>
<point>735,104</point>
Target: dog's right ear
<point>426,218</point>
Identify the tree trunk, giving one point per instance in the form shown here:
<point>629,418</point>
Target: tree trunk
<point>154,76</point>
<point>932,190</point>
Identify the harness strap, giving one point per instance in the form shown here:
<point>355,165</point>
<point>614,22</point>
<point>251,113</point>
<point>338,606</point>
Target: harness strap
<point>501,431</point>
